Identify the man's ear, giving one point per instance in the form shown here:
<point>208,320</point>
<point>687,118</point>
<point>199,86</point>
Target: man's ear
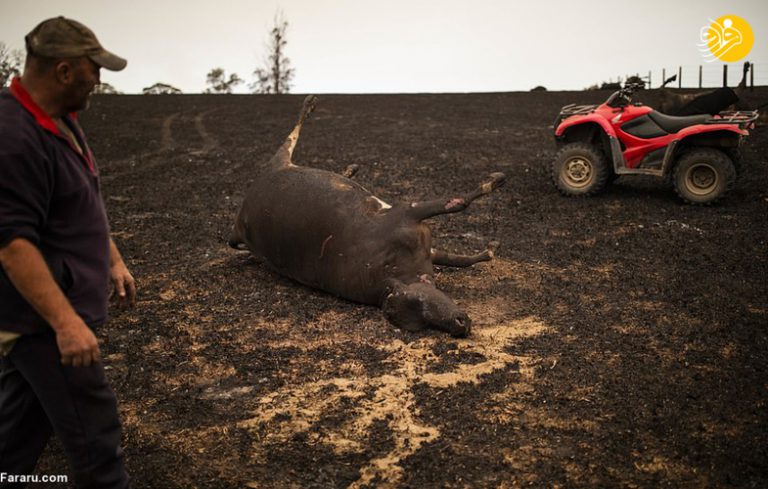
<point>65,71</point>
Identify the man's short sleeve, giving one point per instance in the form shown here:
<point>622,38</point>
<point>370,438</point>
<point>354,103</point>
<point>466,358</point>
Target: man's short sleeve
<point>25,192</point>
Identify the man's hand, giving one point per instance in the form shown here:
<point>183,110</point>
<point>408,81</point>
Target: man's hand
<point>124,286</point>
<point>27,270</point>
<point>77,344</point>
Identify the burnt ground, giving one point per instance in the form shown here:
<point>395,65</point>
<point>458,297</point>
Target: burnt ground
<point>619,341</point>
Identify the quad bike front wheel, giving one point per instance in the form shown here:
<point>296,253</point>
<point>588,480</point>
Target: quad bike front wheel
<point>703,175</point>
<point>580,169</point>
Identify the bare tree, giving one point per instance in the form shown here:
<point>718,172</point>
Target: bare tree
<point>218,82</point>
<point>10,63</point>
<point>276,75</point>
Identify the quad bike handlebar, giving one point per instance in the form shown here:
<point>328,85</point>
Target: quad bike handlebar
<point>623,96</point>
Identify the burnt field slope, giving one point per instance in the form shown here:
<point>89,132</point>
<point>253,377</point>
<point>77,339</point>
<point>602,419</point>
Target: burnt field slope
<point>618,341</point>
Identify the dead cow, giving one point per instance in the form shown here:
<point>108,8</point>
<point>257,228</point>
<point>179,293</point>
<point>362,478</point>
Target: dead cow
<point>326,231</point>
<point>710,102</point>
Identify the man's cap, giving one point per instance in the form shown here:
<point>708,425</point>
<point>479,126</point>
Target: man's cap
<point>60,37</point>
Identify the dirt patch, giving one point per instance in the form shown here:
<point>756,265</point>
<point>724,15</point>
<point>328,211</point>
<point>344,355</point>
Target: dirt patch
<point>619,341</point>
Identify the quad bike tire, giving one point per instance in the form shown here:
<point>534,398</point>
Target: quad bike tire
<point>702,176</point>
<point>738,160</point>
<point>580,169</point>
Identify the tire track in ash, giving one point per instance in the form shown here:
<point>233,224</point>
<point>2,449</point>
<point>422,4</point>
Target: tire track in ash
<point>167,143</point>
<point>209,142</point>
<point>169,146</point>
<point>117,168</point>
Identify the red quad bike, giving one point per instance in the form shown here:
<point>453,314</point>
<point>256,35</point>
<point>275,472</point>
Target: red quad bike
<point>598,143</point>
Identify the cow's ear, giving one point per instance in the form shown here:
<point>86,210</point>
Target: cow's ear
<point>402,311</point>
<point>399,308</point>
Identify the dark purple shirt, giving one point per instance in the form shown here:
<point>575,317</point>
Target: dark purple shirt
<point>49,195</point>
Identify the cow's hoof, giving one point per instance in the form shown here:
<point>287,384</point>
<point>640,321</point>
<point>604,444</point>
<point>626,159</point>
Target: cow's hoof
<point>309,103</point>
<point>351,170</point>
<point>497,180</point>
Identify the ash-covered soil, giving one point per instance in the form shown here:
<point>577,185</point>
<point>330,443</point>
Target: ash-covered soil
<point>618,341</point>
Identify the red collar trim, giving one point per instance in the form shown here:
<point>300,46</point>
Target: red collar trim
<point>43,119</point>
<point>25,99</point>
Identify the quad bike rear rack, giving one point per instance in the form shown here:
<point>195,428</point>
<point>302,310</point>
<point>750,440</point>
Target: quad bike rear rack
<point>744,118</point>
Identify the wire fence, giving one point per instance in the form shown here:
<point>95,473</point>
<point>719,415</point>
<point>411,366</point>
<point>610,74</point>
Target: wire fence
<point>706,76</point>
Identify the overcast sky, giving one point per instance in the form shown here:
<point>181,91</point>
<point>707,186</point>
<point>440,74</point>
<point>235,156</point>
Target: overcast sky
<point>375,46</point>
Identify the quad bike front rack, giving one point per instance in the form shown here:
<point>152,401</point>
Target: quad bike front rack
<point>573,109</point>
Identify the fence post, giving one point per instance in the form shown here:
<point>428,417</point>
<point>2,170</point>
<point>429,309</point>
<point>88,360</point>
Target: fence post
<point>679,77</point>
<point>649,79</point>
<point>725,75</point>
<point>752,77</point>
<point>699,76</point>
<point>663,75</point>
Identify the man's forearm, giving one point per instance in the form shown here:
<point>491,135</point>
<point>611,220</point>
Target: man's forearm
<point>29,273</point>
<point>114,254</point>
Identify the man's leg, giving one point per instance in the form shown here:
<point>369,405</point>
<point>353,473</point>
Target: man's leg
<point>24,427</point>
<point>80,406</point>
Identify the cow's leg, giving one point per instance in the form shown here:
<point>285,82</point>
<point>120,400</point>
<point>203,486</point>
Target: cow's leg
<point>459,261</point>
<point>425,210</point>
<point>744,73</point>
<point>741,89</point>
<point>283,155</point>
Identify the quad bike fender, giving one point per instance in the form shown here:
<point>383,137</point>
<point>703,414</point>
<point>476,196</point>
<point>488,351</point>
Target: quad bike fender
<point>712,135</point>
<point>716,135</point>
<point>610,141</point>
<point>578,120</point>
<point>721,136</point>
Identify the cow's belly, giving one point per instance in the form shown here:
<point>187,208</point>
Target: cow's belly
<point>322,232</point>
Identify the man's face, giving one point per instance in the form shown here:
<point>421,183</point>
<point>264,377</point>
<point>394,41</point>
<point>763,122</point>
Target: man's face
<point>86,75</point>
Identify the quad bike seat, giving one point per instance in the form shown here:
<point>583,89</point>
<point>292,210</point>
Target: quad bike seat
<point>672,124</point>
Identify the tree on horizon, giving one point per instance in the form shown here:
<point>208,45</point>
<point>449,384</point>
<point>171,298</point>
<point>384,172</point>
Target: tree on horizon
<point>105,89</point>
<point>276,74</point>
<point>161,89</point>
<point>10,63</point>
<point>218,82</point>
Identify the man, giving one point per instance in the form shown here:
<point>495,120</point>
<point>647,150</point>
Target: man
<point>57,261</point>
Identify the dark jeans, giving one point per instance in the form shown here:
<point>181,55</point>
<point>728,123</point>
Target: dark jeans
<point>39,396</point>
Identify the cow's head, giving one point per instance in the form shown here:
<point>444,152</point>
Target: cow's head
<point>420,305</point>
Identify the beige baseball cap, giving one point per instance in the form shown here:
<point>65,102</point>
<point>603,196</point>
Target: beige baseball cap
<point>60,37</point>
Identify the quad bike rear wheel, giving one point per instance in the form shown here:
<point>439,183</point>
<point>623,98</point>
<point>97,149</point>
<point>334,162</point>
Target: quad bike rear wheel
<point>702,176</point>
<point>737,158</point>
<point>580,169</point>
